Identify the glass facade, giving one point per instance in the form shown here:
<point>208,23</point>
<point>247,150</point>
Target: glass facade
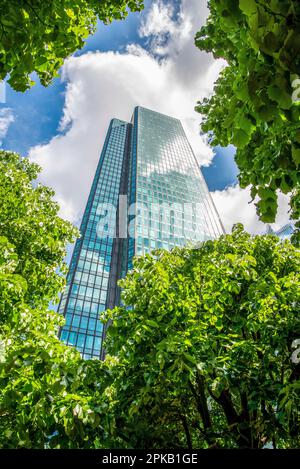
<point>283,233</point>
<point>173,203</point>
<point>86,295</point>
<point>148,192</point>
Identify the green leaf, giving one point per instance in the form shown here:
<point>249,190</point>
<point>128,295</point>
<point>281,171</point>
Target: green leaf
<point>280,96</point>
<point>246,125</point>
<point>249,7</point>
<point>296,155</point>
<point>240,138</point>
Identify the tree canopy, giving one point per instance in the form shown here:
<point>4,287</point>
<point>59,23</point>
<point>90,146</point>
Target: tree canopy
<point>256,100</point>
<point>37,371</point>
<point>49,396</point>
<point>198,355</point>
<point>36,35</point>
<point>203,346</point>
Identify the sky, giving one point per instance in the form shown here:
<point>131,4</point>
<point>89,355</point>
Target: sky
<point>149,60</point>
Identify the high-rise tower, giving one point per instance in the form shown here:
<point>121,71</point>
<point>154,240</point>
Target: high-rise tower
<point>148,192</point>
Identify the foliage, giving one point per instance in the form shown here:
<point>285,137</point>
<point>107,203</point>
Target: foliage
<point>252,106</point>
<point>40,378</point>
<point>37,36</point>
<point>202,347</point>
<point>199,356</point>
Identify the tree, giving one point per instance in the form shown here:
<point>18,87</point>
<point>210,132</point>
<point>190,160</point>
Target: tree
<point>256,105</point>
<point>46,389</point>
<point>37,36</point>
<point>199,355</point>
<point>202,347</point>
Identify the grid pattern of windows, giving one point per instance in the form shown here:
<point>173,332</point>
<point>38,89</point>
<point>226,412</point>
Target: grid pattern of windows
<point>283,233</point>
<point>132,191</point>
<point>88,278</point>
<point>173,202</point>
<point>151,160</point>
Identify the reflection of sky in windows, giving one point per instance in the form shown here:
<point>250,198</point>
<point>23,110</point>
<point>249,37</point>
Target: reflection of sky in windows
<point>167,173</point>
<point>169,204</point>
<point>89,276</point>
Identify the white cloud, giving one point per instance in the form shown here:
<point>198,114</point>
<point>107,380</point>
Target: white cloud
<point>6,118</point>
<point>234,207</point>
<point>101,86</point>
<point>159,20</point>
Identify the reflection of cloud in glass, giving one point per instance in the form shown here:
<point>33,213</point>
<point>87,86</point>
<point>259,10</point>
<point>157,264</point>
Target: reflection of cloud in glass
<point>169,174</point>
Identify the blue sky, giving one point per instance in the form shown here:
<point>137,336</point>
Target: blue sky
<point>149,60</point>
<point>38,111</point>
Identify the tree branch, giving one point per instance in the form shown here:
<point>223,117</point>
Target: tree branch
<point>224,400</point>
<point>187,432</point>
<point>35,13</point>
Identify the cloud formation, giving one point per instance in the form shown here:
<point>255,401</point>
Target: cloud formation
<point>159,21</point>
<point>233,205</point>
<point>100,86</point>
<point>169,77</point>
<point>6,118</point>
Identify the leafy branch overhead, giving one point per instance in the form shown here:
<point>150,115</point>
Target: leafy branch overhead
<point>37,35</point>
<point>256,100</point>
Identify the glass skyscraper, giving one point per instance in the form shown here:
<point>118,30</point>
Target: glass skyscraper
<point>148,192</point>
<point>283,233</point>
